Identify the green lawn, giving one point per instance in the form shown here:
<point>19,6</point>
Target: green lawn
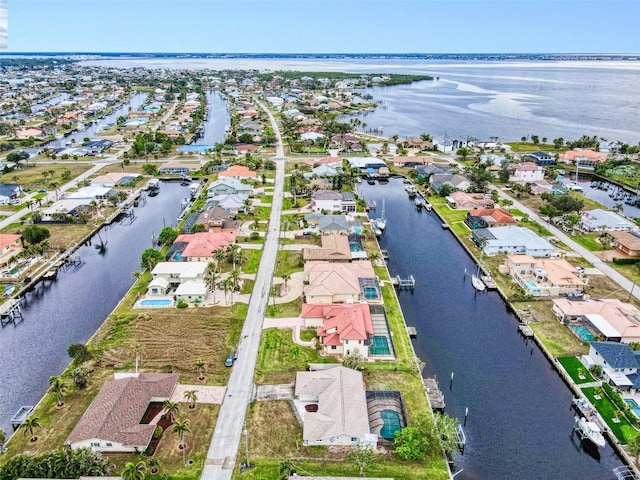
<point>588,241</point>
<point>253,261</point>
<point>573,366</point>
<point>288,261</point>
<point>607,411</point>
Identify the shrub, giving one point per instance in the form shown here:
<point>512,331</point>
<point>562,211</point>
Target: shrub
<point>157,433</point>
<point>625,261</point>
<point>79,352</point>
<point>181,304</point>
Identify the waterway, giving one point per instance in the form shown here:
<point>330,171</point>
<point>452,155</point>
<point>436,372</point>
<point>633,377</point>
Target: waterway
<point>217,119</point>
<point>520,419</point>
<point>70,309</point>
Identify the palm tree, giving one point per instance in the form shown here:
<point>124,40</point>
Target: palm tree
<point>29,425</point>
<point>59,388</point>
<point>154,464</point>
<point>3,438</point>
<point>138,350</point>
<point>134,471</point>
<point>226,285</point>
<point>218,256</point>
<point>170,409</point>
<point>287,468</point>
<point>180,428</point>
<point>234,276</point>
<point>286,277</point>
<point>374,257</point>
<point>191,397</point>
<point>212,283</point>
<point>201,368</point>
<point>634,447</point>
<point>80,378</point>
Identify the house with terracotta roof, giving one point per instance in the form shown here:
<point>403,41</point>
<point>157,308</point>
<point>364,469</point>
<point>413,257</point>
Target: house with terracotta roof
<point>583,157</point>
<point>111,424</point>
<point>342,329</point>
<point>339,415</point>
<point>335,248</point>
<point>525,172</point>
<point>238,172</point>
<point>198,247</point>
<point>489,217</point>
<point>626,242</point>
<point>545,277</point>
<point>340,282</point>
<point>608,318</point>
<point>10,245</point>
<point>468,201</point>
<point>30,132</point>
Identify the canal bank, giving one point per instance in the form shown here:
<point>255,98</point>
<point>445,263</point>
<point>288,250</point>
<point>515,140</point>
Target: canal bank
<point>520,420</point>
<point>71,308</point>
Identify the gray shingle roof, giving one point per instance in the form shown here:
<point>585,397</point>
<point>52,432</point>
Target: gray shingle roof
<point>617,355</point>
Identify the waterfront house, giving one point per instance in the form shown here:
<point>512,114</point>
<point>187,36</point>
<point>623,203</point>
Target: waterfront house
<point>425,171</point>
<point>10,193</point>
<point>217,219</point>
<point>228,186</point>
<point>233,204</point>
<point>198,247</point>
<point>411,162</point>
<point>525,172</point>
<point>30,132</point>
<point>335,248</point>
<point>546,277</point>
<point>417,143</point>
<point>618,361</point>
<point>113,179</point>
<point>238,172</point>
<point>340,282</point>
<point>348,202</point>
<point>455,181</point>
<point>111,424</point>
<point>10,246</point>
<point>342,329</point>
<point>365,163</point>
<point>323,171</point>
<point>583,157</point>
<point>489,217</point>
<point>329,224</point>
<point>468,201</point>
<point>339,415</point>
<point>178,168</point>
<point>95,147</point>
<point>541,158</point>
<point>62,210</point>
<point>511,239</point>
<point>626,242</point>
<point>600,220</point>
<point>186,278</point>
<point>92,193</point>
<point>608,318</point>
<point>326,201</point>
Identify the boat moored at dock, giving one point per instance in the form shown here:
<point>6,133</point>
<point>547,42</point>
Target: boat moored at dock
<point>588,430</point>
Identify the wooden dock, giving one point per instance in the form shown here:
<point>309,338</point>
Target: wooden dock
<point>488,281</point>
<point>525,331</point>
<point>413,333</point>
<point>20,416</point>
<point>436,398</point>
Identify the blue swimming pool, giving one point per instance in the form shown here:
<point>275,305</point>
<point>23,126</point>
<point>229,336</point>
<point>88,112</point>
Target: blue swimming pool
<point>162,302</point>
<point>634,406</point>
<point>531,283</point>
<point>177,257</point>
<point>355,247</point>
<point>583,332</point>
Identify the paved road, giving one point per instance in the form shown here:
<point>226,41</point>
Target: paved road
<point>223,451</point>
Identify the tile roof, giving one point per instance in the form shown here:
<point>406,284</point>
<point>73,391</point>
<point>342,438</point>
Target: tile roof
<point>335,247</point>
<point>617,355</point>
<point>329,278</point>
<point>203,244</point>
<point>630,240</point>
<point>115,413</point>
<point>238,171</point>
<point>346,321</point>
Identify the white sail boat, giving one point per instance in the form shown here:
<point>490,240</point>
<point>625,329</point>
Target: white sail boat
<point>381,222</point>
<point>476,281</point>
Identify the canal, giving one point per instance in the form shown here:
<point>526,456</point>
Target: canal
<point>217,119</point>
<point>70,309</point>
<point>520,419</point>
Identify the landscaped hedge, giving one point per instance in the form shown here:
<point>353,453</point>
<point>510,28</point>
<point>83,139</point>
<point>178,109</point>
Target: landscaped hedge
<point>619,402</point>
<point>625,261</point>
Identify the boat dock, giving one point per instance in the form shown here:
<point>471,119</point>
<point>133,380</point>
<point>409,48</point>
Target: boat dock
<point>20,416</point>
<point>488,282</point>
<point>10,311</point>
<point>525,331</point>
<point>401,283</point>
<point>385,254</point>
<point>436,398</point>
<point>412,332</point>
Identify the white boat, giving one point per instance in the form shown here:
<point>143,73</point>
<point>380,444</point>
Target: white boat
<point>477,283</point>
<point>411,190</point>
<point>376,231</point>
<point>589,430</point>
<point>80,127</point>
<point>381,222</point>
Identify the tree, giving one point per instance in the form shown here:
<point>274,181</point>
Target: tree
<point>62,463</point>
<point>464,152</point>
<point>80,378</point>
<point>634,446</point>
<point>191,397</point>
<point>201,368</point>
<point>479,177</point>
<point>447,428</point>
<point>150,169</point>
<point>34,234</point>
<point>445,190</point>
<point>286,469</point>
<point>134,471</point>
<point>79,352</point>
<point>167,235</point>
<point>596,371</point>
<point>154,465</point>
<point>286,277</point>
<point>3,438</point>
<point>58,388</point>
<point>170,409</point>
<point>352,360</point>
<point>180,429</point>
<point>29,425</point>
<point>362,456</point>
<point>150,258</point>
<point>410,444</point>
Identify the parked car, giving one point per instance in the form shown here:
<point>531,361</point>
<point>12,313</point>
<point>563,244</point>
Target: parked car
<point>230,359</point>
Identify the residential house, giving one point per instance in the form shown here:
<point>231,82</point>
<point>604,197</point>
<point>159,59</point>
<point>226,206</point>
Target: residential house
<point>608,318</point>
<point>342,329</point>
<point>187,279</point>
<point>418,143</point>
<point>114,179</point>
<point>198,247</point>
<point>548,277</point>
<point>238,172</point>
<point>10,193</point>
<point>525,172</point>
<point>425,171</point>
<point>511,240</point>
<point>60,211</point>
<point>493,159</point>
<point>583,157</point>
<point>339,282</point>
<point>10,246</point>
<point>95,147</point>
<point>91,193</point>
<point>618,361</point>
<point>326,200</point>
<point>341,417</point>
<point>228,186</point>
<point>324,170</point>
<point>600,220</point>
<point>455,181</point>
<point>233,204</point>
<point>217,219</point>
<point>328,224</point>
<point>410,162</point>
<point>468,201</point>
<point>335,248</point>
<point>541,158</point>
<point>348,202</point>
<point>489,217</point>
<point>29,132</point>
<point>178,168</point>
<point>627,242</point>
<point>111,424</point>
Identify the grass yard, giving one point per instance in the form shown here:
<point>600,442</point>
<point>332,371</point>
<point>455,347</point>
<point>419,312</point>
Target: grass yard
<point>253,260</point>
<point>574,368</point>
<point>284,310</point>
<point>31,178</point>
<point>279,358</point>
<point>288,261</point>
<point>607,411</point>
<point>589,241</point>
<point>307,334</point>
<point>247,286</point>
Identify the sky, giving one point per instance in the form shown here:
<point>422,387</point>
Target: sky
<point>323,26</point>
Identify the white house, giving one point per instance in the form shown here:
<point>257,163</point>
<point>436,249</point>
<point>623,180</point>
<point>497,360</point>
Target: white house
<point>92,193</point>
<point>618,361</point>
<point>326,200</point>
<point>511,240</point>
<point>526,172</point>
<point>228,186</point>
<point>598,220</point>
<point>187,278</point>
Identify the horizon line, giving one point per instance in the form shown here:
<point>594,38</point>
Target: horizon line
<point>388,54</point>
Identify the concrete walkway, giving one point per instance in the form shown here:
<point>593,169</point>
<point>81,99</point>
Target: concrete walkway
<point>223,451</point>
